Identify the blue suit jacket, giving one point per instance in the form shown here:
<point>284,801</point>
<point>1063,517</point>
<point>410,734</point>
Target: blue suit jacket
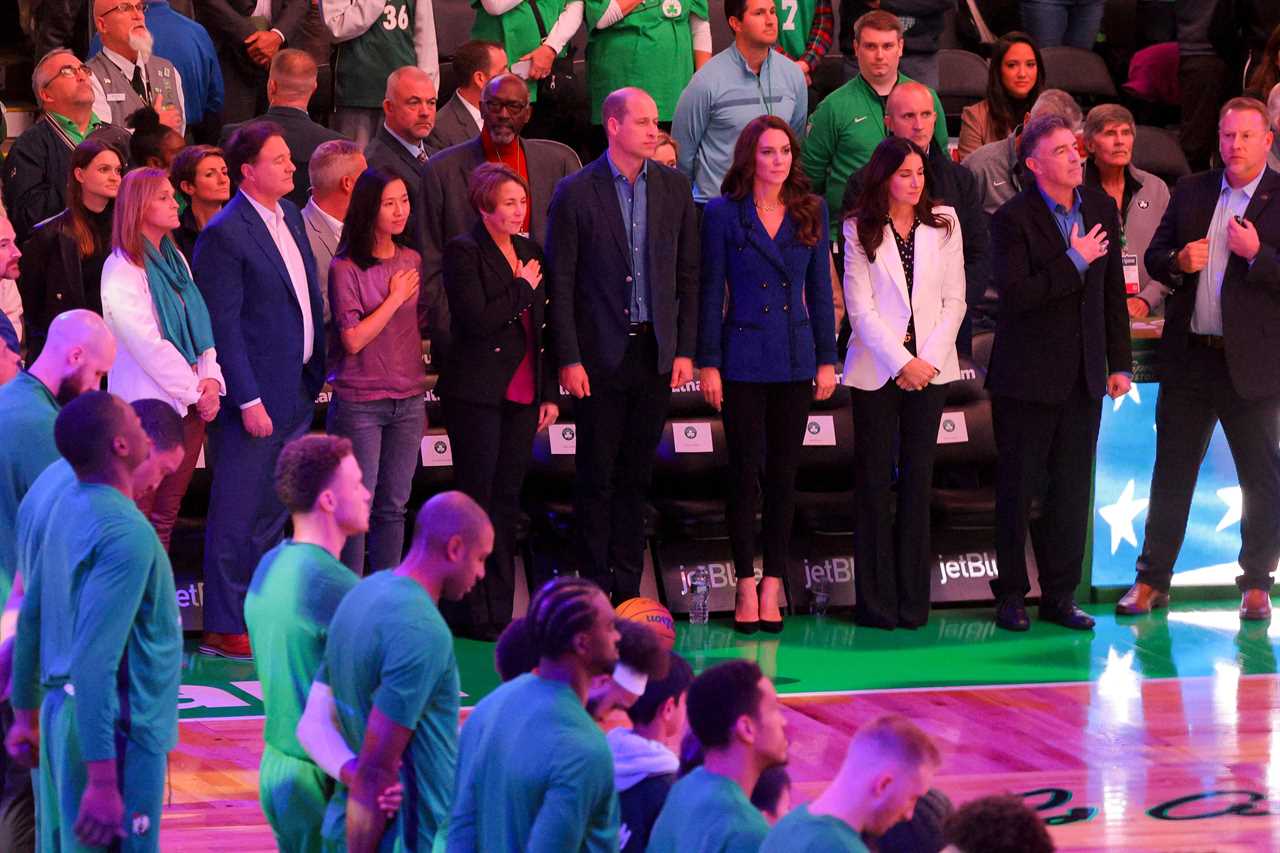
<point>257,323</point>
<point>780,321</point>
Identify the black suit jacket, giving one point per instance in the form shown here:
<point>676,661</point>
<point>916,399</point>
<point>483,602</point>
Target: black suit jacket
<point>954,185</point>
<point>454,126</point>
<point>302,135</point>
<point>228,24</point>
<point>1250,297</point>
<point>487,340</point>
<point>588,255</point>
<point>1050,317</point>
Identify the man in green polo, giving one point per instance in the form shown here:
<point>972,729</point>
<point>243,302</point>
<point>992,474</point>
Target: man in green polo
<point>849,123</point>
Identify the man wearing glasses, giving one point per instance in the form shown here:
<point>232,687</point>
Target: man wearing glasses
<point>126,74</point>
<point>38,165</point>
<point>504,111</point>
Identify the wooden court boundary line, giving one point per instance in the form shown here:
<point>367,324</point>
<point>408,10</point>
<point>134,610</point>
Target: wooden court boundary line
<point>835,694</point>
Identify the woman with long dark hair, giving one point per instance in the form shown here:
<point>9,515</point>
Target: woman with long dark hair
<point>1015,78</point>
<point>164,338</point>
<point>378,378</point>
<point>498,384</point>
<point>199,174</point>
<point>764,241</point>
<point>904,291</point>
<point>62,260</point>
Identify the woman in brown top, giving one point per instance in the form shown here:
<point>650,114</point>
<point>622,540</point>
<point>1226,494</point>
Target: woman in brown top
<point>1015,79</point>
<point>378,379</point>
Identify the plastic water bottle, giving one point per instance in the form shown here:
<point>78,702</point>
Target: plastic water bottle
<point>699,596</point>
<point>820,587</point>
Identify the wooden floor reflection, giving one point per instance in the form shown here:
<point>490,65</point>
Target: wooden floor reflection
<point>1119,764</point>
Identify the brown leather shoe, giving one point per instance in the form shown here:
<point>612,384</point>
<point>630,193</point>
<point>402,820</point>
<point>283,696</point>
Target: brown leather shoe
<point>1141,599</point>
<point>231,646</point>
<point>1255,605</point>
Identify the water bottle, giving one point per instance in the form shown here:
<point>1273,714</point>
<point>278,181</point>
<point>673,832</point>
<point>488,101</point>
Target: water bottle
<point>699,596</point>
<point>820,588</point>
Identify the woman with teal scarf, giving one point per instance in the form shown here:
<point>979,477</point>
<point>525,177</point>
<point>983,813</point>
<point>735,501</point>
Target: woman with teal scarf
<point>164,340</point>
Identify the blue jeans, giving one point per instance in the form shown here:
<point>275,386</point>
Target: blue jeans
<point>1073,23</point>
<point>386,435</point>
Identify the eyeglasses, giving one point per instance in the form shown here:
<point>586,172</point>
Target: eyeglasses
<point>73,71</point>
<point>127,9</point>
<point>512,107</point>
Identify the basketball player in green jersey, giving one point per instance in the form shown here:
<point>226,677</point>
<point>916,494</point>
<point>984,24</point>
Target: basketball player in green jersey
<point>295,590</point>
<point>390,667</point>
<point>110,714</point>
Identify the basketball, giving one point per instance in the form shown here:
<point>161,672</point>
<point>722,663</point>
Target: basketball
<point>653,614</point>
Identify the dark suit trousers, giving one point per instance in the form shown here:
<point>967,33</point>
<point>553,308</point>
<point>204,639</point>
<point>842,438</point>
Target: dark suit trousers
<point>894,432</point>
<point>1191,402</point>
<point>245,91</point>
<point>246,519</point>
<point>619,427</point>
<point>1050,446</point>
<point>492,445</point>
<point>764,426</point>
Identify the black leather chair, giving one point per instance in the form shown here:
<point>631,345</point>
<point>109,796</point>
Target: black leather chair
<point>962,80</point>
<point>1157,151</point>
<point>824,480</point>
<point>1082,73</point>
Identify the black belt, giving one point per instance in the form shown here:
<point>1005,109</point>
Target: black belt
<point>1206,341</point>
<point>640,329</point>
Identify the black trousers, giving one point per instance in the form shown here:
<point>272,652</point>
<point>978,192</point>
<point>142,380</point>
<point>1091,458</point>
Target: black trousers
<point>764,425</point>
<point>492,446</point>
<point>244,90</point>
<point>1205,84</point>
<point>1191,402</point>
<point>1043,449</point>
<point>619,426</point>
<point>894,432</point>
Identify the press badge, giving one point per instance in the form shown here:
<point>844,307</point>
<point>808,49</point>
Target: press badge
<point>115,96</point>
<point>1130,264</point>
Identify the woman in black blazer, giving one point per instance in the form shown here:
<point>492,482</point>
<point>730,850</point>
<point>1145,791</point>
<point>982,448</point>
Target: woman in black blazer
<point>497,383</point>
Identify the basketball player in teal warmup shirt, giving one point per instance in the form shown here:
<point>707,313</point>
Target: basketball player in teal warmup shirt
<point>390,665</point>
<point>734,711</point>
<point>887,769</point>
<point>106,724</point>
<point>294,592</point>
<point>534,770</point>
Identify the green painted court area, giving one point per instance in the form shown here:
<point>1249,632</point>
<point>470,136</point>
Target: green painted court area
<point>829,654</point>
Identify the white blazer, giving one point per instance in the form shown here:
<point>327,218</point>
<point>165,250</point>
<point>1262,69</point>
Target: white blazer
<point>875,295</point>
<point>147,365</point>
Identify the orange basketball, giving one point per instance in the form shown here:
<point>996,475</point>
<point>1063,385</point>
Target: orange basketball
<point>651,613</point>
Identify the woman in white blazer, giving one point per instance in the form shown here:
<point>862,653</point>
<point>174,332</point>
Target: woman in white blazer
<point>164,341</point>
<point>904,291</point>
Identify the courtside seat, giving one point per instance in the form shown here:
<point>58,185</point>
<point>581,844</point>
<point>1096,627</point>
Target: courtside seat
<point>1157,151</point>
<point>824,480</point>
<point>688,488</point>
<point>1081,73</point>
<point>962,81</point>
<point>964,471</point>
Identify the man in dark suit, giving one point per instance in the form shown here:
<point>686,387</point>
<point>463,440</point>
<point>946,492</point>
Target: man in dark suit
<point>254,267</point>
<point>1217,248</point>
<point>409,114</point>
<point>623,256</point>
<point>1061,342</point>
<point>475,63</point>
<point>504,110</point>
<point>247,43</point>
<point>289,90</point>
<point>909,113</point>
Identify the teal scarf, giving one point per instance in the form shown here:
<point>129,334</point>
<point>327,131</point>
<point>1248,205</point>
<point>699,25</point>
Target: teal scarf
<point>184,318</point>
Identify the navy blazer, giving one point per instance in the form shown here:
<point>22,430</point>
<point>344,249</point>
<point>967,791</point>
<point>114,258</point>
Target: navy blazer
<point>779,324</point>
<point>588,259</point>
<point>257,322</point>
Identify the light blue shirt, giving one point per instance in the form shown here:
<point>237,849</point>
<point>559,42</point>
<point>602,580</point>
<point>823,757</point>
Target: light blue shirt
<point>721,99</point>
<point>1067,220</point>
<point>633,202</point>
<point>1207,317</point>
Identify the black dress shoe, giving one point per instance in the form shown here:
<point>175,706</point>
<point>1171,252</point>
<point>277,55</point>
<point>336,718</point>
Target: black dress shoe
<point>746,627</point>
<point>1067,615</point>
<point>1012,616</point>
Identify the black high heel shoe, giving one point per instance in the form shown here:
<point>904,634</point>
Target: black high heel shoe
<point>771,626</point>
<point>747,627</point>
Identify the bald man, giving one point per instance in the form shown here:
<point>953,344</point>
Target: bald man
<point>290,86</point>
<point>389,667</point>
<point>127,76</point>
<point>910,113</point>
<point>886,770</point>
<point>409,114</point>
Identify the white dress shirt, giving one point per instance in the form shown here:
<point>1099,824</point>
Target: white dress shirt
<point>278,228</point>
<point>1207,317</point>
<point>102,109</point>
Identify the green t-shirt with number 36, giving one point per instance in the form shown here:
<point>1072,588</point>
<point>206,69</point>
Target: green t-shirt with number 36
<point>363,64</point>
<point>795,19</point>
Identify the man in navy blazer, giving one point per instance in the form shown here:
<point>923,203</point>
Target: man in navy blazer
<point>623,258</point>
<point>254,266</point>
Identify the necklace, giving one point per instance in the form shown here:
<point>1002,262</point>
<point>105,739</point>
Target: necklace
<point>767,208</point>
